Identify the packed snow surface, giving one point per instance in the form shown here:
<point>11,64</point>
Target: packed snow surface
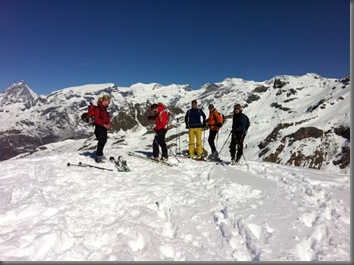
<point>194,211</point>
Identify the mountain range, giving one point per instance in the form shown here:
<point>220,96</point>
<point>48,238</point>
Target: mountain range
<point>302,121</point>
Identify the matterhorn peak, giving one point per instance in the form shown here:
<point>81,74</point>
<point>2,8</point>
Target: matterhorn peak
<point>18,93</point>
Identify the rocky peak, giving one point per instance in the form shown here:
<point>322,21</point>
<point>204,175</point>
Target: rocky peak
<point>18,93</point>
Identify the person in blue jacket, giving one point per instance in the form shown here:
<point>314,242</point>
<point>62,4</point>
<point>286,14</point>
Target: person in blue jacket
<point>239,126</point>
<point>195,121</point>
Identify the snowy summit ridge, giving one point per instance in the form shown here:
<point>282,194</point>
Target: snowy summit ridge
<point>295,120</point>
<point>18,93</point>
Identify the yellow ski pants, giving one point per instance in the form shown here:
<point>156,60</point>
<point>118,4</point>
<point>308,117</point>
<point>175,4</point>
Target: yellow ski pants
<point>195,133</point>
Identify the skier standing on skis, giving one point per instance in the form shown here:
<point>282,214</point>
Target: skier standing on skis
<point>239,125</point>
<point>214,123</point>
<point>195,122</point>
<point>161,118</point>
<point>102,125</point>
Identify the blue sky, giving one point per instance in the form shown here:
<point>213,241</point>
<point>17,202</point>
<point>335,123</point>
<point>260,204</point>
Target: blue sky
<point>53,44</point>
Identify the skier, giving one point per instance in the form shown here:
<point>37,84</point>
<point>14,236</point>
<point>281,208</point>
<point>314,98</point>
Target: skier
<point>195,121</point>
<point>161,118</point>
<point>239,125</point>
<point>214,123</point>
<point>102,124</point>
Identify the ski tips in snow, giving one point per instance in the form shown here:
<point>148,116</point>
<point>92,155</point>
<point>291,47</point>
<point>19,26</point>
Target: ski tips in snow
<point>120,164</point>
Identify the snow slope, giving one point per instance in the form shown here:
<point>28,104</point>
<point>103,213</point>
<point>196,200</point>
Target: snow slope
<point>195,211</point>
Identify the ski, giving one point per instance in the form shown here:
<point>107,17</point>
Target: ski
<point>123,163</point>
<point>218,160</point>
<point>149,159</point>
<point>120,164</point>
<point>88,165</point>
<point>193,158</point>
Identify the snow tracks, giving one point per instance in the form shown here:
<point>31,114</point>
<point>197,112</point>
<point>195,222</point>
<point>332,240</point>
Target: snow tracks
<point>197,211</point>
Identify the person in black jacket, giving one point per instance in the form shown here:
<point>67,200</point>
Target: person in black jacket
<point>239,125</point>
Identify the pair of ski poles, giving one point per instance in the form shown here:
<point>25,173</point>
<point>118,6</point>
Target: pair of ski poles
<point>237,144</point>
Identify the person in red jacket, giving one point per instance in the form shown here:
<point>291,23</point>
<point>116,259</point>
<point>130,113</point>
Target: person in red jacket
<point>161,118</point>
<point>102,124</point>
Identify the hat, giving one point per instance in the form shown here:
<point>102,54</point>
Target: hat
<point>211,106</point>
<point>237,106</point>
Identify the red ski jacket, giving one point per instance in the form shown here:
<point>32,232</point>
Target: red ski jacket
<point>101,115</point>
<point>161,118</point>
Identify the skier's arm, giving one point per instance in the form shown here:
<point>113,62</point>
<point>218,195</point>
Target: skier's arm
<point>204,118</point>
<point>186,119</point>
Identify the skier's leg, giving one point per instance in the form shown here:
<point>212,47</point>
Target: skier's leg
<point>233,147</point>
<point>162,142</point>
<point>211,140</point>
<point>155,147</point>
<point>199,132</point>
<point>191,141</point>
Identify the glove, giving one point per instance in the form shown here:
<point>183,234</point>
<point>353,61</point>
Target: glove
<point>219,125</point>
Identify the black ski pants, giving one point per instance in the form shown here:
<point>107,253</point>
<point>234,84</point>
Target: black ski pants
<point>101,136</point>
<point>211,140</point>
<point>159,140</point>
<point>237,139</point>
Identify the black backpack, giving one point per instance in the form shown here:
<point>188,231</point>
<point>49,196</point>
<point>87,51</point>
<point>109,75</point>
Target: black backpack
<point>247,122</point>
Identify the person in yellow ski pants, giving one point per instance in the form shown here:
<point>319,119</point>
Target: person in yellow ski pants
<point>195,133</point>
<point>195,120</point>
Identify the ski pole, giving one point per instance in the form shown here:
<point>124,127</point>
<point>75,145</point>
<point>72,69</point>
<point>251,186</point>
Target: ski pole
<point>173,154</point>
<point>238,144</point>
<point>203,136</point>
<point>179,140</point>
<point>225,142</point>
<point>87,165</point>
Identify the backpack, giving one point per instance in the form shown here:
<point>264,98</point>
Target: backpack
<point>247,122</point>
<point>222,118</point>
<point>89,116</point>
<point>170,118</point>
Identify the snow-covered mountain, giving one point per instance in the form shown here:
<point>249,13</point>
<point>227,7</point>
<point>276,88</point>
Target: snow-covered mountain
<point>295,120</point>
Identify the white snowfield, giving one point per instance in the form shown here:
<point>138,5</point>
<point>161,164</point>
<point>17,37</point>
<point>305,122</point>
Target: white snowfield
<point>195,211</point>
